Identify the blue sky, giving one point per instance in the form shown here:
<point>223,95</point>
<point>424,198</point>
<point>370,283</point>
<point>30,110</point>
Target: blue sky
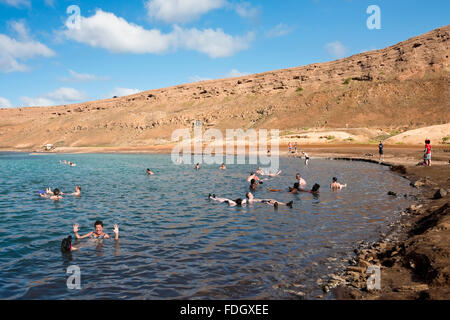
<point>50,57</point>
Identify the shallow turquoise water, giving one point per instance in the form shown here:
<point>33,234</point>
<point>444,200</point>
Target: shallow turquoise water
<point>175,243</point>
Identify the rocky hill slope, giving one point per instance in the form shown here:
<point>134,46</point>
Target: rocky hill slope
<point>404,86</point>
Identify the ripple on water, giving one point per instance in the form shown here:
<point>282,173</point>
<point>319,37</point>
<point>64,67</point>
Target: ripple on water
<point>174,242</point>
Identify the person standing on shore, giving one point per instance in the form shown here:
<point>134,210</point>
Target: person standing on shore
<point>380,151</point>
<point>427,155</point>
<point>290,147</point>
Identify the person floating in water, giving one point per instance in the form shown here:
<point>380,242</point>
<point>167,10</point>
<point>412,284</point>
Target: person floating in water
<point>275,203</point>
<point>335,185</point>
<point>296,189</point>
<point>98,233</point>
<point>253,176</point>
<point>149,172</point>
<point>223,167</point>
<point>66,245</point>
<point>52,195</point>
<point>231,203</point>
<point>254,184</point>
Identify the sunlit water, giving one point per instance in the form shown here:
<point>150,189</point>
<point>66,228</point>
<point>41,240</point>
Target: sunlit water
<point>174,242</point>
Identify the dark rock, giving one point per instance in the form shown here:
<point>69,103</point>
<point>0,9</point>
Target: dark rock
<point>441,193</point>
<point>392,193</point>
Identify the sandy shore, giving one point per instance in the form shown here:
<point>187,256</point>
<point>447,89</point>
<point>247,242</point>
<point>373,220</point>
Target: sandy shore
<point>414,258</point>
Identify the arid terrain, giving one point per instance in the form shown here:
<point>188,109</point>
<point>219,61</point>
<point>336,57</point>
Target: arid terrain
<point>339,109</point>
<point>360,99</point>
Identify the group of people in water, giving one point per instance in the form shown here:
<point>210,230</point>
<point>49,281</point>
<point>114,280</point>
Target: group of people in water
<point>255,179</point>
<point>70,163</point>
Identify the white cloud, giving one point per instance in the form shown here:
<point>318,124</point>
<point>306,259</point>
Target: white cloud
<point>179,11</point>
<point>120,92</point>
<point>337,49</point>
<point>4,103</point>
<point>12,50</point>
<point>115,34</point>
<point>17,3</point>
<point>246,11</point>
<point>235,73</point>
<point>197,78</point>
<point>83,77</point>
<point>279,31</point>
<point>58,97</point>
<point>231,74</point>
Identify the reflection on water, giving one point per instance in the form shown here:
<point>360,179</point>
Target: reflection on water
<point>174,242</point>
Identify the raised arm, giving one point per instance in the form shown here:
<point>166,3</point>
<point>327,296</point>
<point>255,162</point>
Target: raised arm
<point>75,230</point>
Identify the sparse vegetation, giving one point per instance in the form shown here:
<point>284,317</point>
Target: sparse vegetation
<point>349,139</point>
<point>299,89</point>
<point>395,132</point>
<point>399,143</point>
<point>446,140</point>
<point>347,81</point>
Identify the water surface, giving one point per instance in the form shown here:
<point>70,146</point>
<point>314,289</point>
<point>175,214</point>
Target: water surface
<point>174,242</point>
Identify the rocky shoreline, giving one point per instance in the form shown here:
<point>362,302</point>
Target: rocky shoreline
<point>413,257</point>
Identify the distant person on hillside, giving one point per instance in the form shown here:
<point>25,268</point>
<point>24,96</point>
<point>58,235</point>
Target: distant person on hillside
<point>335,185</point>
<point>380,151</point>
<point>427,153</point>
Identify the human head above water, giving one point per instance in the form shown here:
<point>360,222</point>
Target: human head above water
<point>315,187</point>
<point>66,244</point>
<point>334,179</point>
<point>56,191</point>
<point>98,225</point>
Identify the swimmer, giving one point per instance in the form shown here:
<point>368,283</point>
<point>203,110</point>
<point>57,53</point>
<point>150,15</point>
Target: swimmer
<point>259,171</point>
<point>253,176</point>
<point>254,184</point>
<point>301,181</point>
<point>77,192</point>
<point>98,233</point>
<point>149,172</point>
<point>231,203</point>
<point>222,167</point>
<point>52,195</point>
<point>197,166</point>
<point>274,174</point>
<point>275,203</point>
<point>66,245</point>
<point>335,185</point>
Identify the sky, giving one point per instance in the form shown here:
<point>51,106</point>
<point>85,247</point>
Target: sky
<point>55,52</point>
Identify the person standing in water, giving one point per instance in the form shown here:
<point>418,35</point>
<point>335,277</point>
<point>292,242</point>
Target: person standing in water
<point>197,166</point>
<point>380,151</point>
<point>223,167</point>
<point>335,185</point>
<point>98,233</point>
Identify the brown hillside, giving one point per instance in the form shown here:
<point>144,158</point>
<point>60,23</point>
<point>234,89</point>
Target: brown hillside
<point>404,86</point>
